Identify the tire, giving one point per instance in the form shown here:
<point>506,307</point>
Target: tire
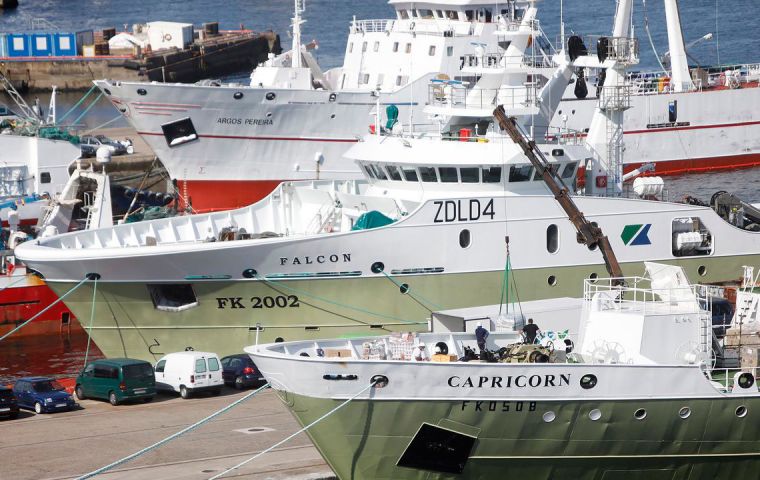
<point>112,398</point>
<point>239,383</point>
<point>38,408</point>
<point>80,393</point>
<point>148,399</point>
<point>184,392</point>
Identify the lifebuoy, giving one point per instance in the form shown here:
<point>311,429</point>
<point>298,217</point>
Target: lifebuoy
<point>168,37</point>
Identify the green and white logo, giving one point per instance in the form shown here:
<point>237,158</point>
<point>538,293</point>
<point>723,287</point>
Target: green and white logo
<point>636,234</point>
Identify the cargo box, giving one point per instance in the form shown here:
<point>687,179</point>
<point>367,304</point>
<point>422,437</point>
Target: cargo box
<point>84,37</point>
<point>169,35</point>
<point>64,45</point>
<point>88,50</point>
<point>18,45</point>
<point>42,44</point>
<point>338,352</point>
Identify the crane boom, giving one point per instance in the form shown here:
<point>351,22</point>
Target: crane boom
<point>26,110</point>
<point>588,233</point>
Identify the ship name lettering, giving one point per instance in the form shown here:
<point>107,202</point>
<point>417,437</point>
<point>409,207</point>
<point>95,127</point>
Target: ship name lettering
<point>310,260</point>
<point>229,121</point>
<point>462,210</point>
<point>519,381</point>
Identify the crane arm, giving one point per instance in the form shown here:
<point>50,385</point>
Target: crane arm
<point>588,233</point>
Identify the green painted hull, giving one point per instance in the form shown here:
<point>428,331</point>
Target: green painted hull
<point>365,440</point>
<point>126,322</point>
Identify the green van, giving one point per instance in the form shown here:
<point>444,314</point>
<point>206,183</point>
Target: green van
<point>117,380</point>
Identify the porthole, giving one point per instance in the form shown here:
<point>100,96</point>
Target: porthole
<point>588,381</point>
<point>465,238</point>
<point>552,280</point>
<point>332,116</point>
<point>741,411</point>
<point>142,91</point>
<point>377,267</point>
<point>237,95</point>
<point>684,412</point>
<point>404,288</point>
<point>640,414</point>
<point>249,273</point>
<point>746,380</point>
<point>333,96</point>
<point>279,340</point>
<point>573,112</point>
<point>595,414</point>
<point>269,114</point>
<point>702,270</point>
<point>270,96</point>
<point>107,91</point>
<point>549,417</point>
<point>593,277</point>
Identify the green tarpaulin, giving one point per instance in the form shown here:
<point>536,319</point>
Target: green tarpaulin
<point>371,219</point>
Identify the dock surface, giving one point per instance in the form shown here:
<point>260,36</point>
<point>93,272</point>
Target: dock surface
<point>69,444</point>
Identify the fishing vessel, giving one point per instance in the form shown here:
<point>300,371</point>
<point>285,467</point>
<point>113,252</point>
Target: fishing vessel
<point>423,231</point>
<point>295,121</point>
<point>636,398</point>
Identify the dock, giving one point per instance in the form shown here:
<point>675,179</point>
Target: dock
<point>69,444</point>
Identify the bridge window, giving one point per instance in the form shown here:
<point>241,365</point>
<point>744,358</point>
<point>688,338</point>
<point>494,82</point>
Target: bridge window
<point>427,174</point>
<point>470,14</point>
<point>439,13</point>
<point>491,174</point>
<point>376,47</point>
<point>431,51</point>
<point>395,47</point>
<point>403,14</point>
<point>394,172</point>
<point>569,170</point>
<point>448,174</point>
<point>520,173</point>
<point>410,174</point>
<point>364,47</point>
<point>369,171</point>
<point>425,13</point>
<point>452,15</point>
<point>379,172</point>
<point>552,238</point>
<point>408,48</point>
<point>470,174</point>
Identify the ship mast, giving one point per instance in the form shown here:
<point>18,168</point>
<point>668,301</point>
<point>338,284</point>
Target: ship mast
<point>679,65</point>
<point>298,9</point>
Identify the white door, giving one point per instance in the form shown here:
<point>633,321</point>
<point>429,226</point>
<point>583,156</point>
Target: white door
<point>201,373</point>
<point>161,375</point>
<point>214,371</point>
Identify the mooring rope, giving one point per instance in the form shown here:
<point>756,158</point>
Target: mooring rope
<point>44,309</point>
<point>220,475</point>
<point>75,122</point>
<point>406,289</point>
<point>172,436</point>
<point>117,117</point>
<point>92,319</point>
<point>76,105</point>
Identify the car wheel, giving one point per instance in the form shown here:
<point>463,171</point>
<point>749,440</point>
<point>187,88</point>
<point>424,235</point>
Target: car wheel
<point>37,408</point>
<point>148,399</point>
<point>112,398</point>
<point>184,392</point>
<point>80,392</point>
<point>239,383</point>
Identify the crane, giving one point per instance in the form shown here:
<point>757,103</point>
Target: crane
<point>26,110</point>
<point>589,233</point>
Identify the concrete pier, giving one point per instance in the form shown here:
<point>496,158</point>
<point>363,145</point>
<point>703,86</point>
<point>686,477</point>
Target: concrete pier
<point>68,444</point>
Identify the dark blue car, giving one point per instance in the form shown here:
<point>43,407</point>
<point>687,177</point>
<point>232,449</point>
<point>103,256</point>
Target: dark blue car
<point>240,371</point>
<point>43,395</point>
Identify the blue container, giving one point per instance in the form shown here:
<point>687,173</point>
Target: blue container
<point>3,46</point>
<point>18,45</point>
<point>64,45</point>
<point>42,44</point>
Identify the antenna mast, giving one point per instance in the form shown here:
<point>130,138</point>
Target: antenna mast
<point>299,7</point>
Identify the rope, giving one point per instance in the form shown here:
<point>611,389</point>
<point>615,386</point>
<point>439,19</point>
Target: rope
<point>649,34</point>
<point>81,100</point>
<point>43,310</point>
<point>220,475</point>
<point>171,437</point>
<point>92,318</point>
<point>76,122</point>
<point>332,302</point>
<point>409,292</point>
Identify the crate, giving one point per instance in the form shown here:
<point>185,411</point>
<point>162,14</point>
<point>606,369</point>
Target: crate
<point>88,50</point>
<point>338,352</point>
<point>439,357</point>
<point>102,49</point>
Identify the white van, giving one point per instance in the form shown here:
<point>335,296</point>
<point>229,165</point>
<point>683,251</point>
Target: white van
<point>189,372</point>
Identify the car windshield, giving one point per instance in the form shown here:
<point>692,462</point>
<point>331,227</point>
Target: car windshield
<point>103,138</point>
<point>47,386</point>
<point>138,370</point>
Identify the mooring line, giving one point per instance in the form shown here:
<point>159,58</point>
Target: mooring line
<point>220,475</point>
<point>172,436</point>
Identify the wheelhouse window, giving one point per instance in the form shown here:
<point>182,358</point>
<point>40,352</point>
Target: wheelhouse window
<point>395,47</point>
<point>403,14</point>
<point>452,15</point>
<point>470,14</point>
<point>520,173</point>
<point>427,174</point>
<point>491,174</point>
<point>552,238</point>
<point>431,50</point>
<point>376,47</point>
<point>408,48</point>
<point>369,171</point>
<point>449,51</point>
<point>173,297</point>
<point>45,177</point>
<point>410,174</point>
<point>379,172</point>
<point>179,132</point>
<point>448,174</point>
<point>394,172</point>
<point>569,170</point>
<point>425,13</point>
<point>439,13</point>
<point>364,47</point>
<point>470,174</point>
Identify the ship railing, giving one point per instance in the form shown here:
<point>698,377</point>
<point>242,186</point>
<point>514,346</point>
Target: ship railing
<point>438,27</point>
<point>372,25</point>
<point>622,49</point>
<point>637,295</point>
<point>499,60</point>
<point>616,97</point>
<point>464,95</point>
<point>560,135</point>
<point>723,378</point>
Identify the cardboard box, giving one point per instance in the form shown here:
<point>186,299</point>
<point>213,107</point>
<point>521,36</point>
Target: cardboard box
<point>338,352</point>
<point>750,357</point>
<point>439,357</point>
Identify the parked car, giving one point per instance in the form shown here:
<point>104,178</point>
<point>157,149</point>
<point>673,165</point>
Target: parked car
<point>43,395</point>
<point>189,372</point>
<point>8,403</point>
<point>117,380</point>
<point>239,371</point>
<point>90,144</point>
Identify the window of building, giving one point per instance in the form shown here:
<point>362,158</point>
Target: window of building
<point>449,51</point>
<point>520,173</point>
<point>408,48</point>
<point>427,174</point>
<point>179,132</point>
<point>431,50</point>
<point>410,174</point>
<point>491,174</point>
<point>173,297</point>
<point>470,174</point>
<point>394,172</point>
<point>395,47</point>
<point>552,238</point>
<point>448,174</point>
